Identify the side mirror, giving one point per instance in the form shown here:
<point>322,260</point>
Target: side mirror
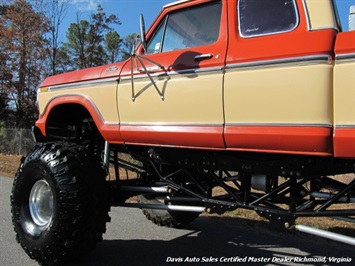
<point>142,33</point>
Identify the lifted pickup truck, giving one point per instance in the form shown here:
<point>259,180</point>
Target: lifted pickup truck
<point>255,98</point>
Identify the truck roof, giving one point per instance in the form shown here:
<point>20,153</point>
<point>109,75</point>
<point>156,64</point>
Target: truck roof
<point>175,3</point>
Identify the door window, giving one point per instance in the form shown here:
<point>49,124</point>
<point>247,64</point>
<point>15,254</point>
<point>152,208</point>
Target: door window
<point>187,28</point>
<point>265,17</point>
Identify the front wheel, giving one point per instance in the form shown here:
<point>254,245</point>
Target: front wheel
<point>59,202</point>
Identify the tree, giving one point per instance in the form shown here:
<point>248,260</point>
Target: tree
<point>2,9</point>
<point>100,24</point>
<point>64,63</point>
<point>55,12</point>
<point>113,43</point>
<point>5,78</point>
<point>77,43</point>
<point>22,32</point>
<point>3,108</point>
<point>85,45</point>
<point>128,42</point>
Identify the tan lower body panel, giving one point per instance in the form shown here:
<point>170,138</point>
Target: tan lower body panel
<point>292,105</point>
<point>190,114</point>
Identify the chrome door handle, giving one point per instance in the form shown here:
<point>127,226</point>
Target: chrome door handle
<point>203,57</point>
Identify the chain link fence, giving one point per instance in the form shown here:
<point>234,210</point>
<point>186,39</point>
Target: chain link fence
<point>15,140</point>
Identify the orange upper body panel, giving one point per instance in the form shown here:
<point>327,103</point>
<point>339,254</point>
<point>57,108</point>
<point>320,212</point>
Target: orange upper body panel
<point>345,43</point>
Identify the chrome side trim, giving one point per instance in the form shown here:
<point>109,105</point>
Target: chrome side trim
<point>280,125</point>
<point>168,124</point>
<point>345,56</point>
<point>308,60</point>
<point>344,126</point>
<point>81,84</point>
<point>162,124</point>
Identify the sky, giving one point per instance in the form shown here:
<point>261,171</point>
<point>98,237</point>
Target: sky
<point>128,12</point>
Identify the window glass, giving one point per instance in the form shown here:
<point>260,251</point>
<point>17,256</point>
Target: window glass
<point>263,17</point>
<point>188,28</point>
<point>154,45</point>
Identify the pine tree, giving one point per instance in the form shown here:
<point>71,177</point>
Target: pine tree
<point>113,44</point>
<point>85,44</point>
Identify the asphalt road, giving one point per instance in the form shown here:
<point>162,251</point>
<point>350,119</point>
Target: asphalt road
<point>133,240</point>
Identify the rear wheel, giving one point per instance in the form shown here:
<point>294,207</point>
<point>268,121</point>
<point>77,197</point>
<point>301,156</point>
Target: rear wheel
<point>59,202</point>
<point>165,217</point>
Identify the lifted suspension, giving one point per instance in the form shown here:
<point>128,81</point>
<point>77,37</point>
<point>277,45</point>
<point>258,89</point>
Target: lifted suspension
<point>192,189</point>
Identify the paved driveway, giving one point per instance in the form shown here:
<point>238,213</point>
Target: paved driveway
<point>133,240</point>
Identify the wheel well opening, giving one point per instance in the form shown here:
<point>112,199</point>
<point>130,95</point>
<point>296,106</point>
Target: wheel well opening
<point>70,122</point>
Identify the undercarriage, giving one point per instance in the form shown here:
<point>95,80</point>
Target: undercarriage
<point>62,195</point>
<point>280,188</point>
<point>59,182</point>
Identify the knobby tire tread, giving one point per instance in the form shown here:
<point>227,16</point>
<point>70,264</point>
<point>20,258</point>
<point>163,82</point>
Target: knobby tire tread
<point>81,202</point>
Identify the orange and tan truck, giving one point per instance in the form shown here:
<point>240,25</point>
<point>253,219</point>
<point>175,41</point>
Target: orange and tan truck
<point>222,105</point>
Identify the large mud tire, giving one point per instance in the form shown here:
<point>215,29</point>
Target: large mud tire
<point>165,217</point>
<point>59,202</point>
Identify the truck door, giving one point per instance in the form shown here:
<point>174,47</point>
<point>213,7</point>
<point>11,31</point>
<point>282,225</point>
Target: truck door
<point>183,106</point>
<point>278,81</point>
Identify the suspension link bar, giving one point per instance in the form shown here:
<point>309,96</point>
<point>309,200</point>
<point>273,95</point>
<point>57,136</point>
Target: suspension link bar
<point>173,184</point>
<point>275,191</point>
<point>326,234</point>
<point>226,188</point>
<point>145,189</point>
<point>164,207</point>
<point>336,197</point>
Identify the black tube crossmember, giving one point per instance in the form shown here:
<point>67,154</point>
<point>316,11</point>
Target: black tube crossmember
<point>284,199</point>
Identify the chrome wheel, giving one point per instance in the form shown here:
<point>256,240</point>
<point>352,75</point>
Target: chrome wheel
<point>41,203</point>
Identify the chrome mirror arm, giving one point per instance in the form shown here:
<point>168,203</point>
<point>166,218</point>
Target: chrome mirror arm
<point>136,57</point>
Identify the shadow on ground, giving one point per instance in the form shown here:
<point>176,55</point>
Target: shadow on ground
<point>210,239</point>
